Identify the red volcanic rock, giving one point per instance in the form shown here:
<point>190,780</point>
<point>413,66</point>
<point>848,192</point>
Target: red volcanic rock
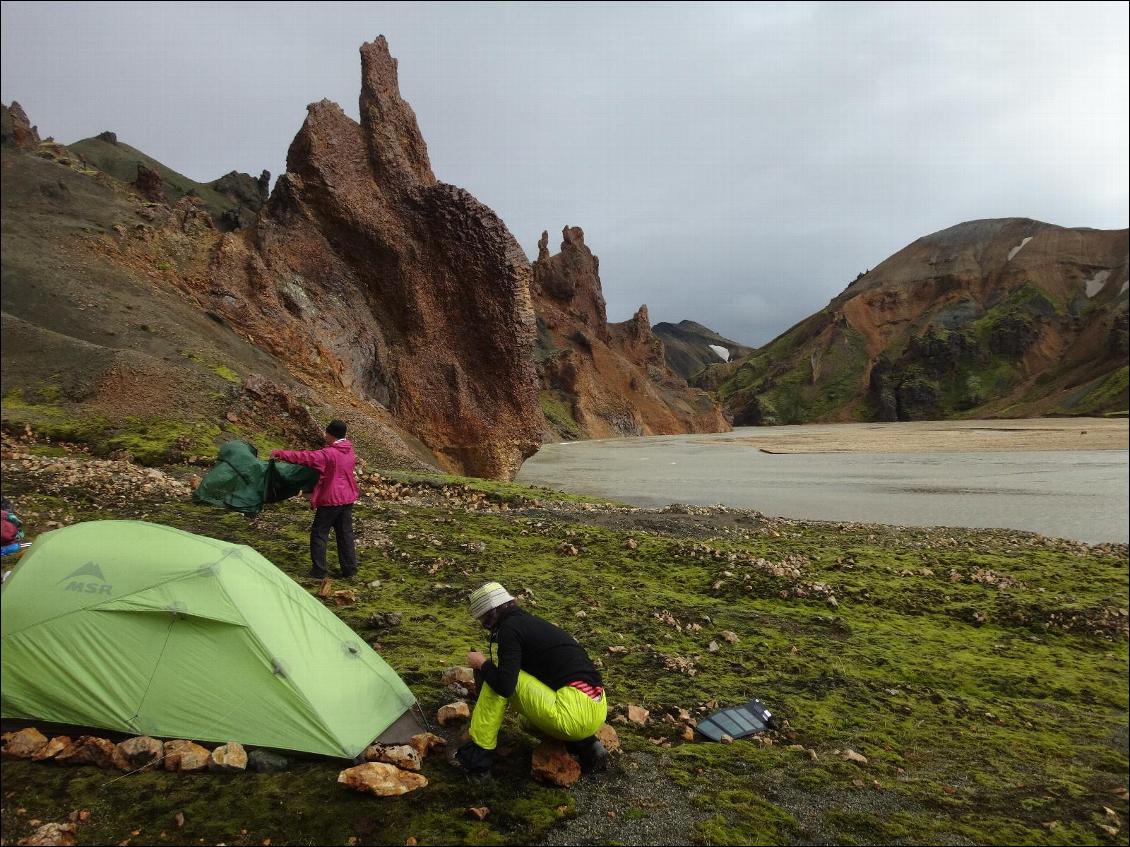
<point>17,128</point>
<point>612,378</point>
<point>572,278</point>
<point>150,185</point>
<point>366,273</point>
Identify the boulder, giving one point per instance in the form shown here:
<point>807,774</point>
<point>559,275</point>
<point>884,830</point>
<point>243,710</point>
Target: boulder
<point>51,834</point>
<point>23,744</point>
<point>638,715</point>
<point>461,676</point>
<point>381,779</point>
<point>552,763</point>
<point>141,752</point>
<point>453,712</point>
<point>426,742</point>
<point>228,758</point>
<point>91,750</point>
<point>401,755</point>
<point>850,755</point>
<point>186,756</point>
<point>608,737</point>
<point>52,748</point>
<point>264,761</point>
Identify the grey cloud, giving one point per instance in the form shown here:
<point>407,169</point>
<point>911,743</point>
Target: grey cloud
<point>734,164</point>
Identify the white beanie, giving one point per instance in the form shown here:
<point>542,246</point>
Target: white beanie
<point>487,597</point>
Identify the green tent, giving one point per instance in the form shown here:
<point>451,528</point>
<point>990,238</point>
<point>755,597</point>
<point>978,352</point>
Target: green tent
<point>240,480</point>
<point>145,629</point>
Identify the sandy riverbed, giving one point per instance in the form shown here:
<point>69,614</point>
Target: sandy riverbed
<point>938,436</point>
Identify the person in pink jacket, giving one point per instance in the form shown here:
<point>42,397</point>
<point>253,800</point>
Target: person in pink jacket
<point>332,499</point>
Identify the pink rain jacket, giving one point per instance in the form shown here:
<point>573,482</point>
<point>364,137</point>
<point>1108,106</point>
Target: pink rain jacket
<point>336,485</point>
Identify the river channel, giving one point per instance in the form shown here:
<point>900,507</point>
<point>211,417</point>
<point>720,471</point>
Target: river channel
<point>1080,494</point>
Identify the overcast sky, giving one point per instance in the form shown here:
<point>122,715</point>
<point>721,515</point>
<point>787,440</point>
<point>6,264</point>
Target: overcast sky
<point>733,164</point>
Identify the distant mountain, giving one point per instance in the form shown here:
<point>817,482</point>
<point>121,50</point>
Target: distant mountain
<point>690,347</point>
<point>989,318</point>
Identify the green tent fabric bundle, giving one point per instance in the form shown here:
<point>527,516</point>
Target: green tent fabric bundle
<point>240,480</point>
<point>145,629</point>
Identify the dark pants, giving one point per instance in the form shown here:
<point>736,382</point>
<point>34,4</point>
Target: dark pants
<point>340,519</point>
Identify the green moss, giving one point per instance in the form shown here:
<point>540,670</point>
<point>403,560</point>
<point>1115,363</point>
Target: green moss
<point>984,711</point>
<point>559,415</point>
<point>220,370</point>
<point>1110,394</point>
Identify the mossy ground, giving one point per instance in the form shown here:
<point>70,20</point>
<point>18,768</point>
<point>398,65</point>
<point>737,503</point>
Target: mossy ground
<point>988,714</point>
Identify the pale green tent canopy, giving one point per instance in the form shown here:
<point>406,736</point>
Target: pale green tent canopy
<point>145,629</point>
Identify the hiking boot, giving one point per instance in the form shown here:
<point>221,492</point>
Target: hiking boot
<point>591,753</point>
<point>474,760</point>
<point>348,577</point>
<point>314,574</point>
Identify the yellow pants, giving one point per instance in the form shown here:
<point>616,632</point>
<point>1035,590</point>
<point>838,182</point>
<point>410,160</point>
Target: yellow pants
<point>566,714</point>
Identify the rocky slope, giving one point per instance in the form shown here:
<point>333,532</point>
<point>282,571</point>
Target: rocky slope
<point>600,380</point>
<point>364,285</point>
<point>991,318</point>
<point>689,347</point>
<point>361,284</point>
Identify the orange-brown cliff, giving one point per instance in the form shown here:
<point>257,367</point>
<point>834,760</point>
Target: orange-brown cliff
<point>364,269</point>
<point>601,380</point>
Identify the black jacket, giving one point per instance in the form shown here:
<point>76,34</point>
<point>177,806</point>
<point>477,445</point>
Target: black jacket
<point>531,644</point>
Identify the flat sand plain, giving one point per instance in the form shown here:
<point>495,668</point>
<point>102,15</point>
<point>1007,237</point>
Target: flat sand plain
<point>938,436</point>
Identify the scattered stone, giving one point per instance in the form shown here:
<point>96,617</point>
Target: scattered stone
<point>552,763</point>
<point>461,676</point>
<point>381,779</point>
<point>23,744</point>
<point>798,747</point>
<point>714,647</point>
<point>850,755</point>
<point>345,597</point>
<point>567,549</point>
<point>79,815</point>
<point>727,739</point>
<point>228,758</point>
<point>401,755</point>
<point>813,755</point>
<point>384,620</point>
<point>178,819</point>
<point>141,751</point>
<point>618,650</point>
<point>638,715</point>
<point>730,637</point>
<point>51,834</point>
<point>326,588</point>
<point>264,761</point>
<point>1112,831</point>
<point>90,750</point>
<point>631,544</point>
<point>582,614</point>
<point>688,734</point>
<point>186,756</point>
<point>608,737</point>
<point>479,812</point>
<point>426,742</point>
<point>52,748</point>
<point>409,841</point>
<point>453,712</point>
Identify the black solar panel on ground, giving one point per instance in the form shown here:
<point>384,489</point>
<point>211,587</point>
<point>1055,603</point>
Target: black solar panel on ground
<point>736,721</point>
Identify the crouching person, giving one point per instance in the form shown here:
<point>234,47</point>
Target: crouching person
<point>542,672</point>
